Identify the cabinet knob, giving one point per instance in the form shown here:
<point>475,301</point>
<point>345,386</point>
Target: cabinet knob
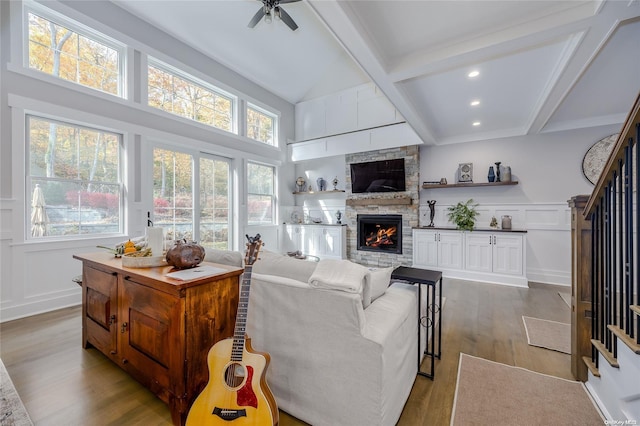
<point>489,239</point>
<point>112,319</point>
<point>125,361</point>
<point>112,352</point>
<point>123,327</point>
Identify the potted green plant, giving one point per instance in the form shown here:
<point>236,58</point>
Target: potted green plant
<point>463,215</point>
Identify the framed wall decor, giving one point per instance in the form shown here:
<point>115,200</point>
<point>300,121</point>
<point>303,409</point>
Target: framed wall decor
<point>596,157</point>
<point>465,172</point>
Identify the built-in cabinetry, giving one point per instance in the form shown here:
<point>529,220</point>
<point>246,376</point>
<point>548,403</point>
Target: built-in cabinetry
<point>489,256</point>
<point>157,329</point>
<point>323,241</point>
<point>353,120</point>
<point>438,249</point>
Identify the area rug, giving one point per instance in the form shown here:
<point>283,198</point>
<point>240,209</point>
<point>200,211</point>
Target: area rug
<point>548,334</point>
<point>490,393</point>
<point>566,297</point>
<point>12,411</point>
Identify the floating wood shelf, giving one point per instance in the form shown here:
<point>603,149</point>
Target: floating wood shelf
<point>466,185</point>
<point>333,191</point>
<point>379,201</point>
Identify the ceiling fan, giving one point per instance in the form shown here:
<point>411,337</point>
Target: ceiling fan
<point>269,9</point>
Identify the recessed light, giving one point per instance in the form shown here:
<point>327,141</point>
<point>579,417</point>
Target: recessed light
<point>473,74</point>
<point>476,123</point>
<point>475,102</point>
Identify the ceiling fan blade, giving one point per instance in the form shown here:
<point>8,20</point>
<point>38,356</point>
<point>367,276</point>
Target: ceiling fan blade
<point>287,19</point>
<point>256,18</point>
<point>287,1</point>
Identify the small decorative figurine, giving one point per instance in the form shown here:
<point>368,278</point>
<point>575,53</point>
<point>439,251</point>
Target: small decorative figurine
<point>300,182</point>
<point>338,215</point>
<point>335,185</point>
<point>432,208</point>
<point>494,223</point>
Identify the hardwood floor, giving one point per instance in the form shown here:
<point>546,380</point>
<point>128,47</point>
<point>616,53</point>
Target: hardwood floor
<point>61,383</point>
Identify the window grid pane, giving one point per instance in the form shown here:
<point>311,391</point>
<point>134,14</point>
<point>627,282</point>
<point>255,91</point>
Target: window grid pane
<point>187,99</point>
<point>260,126</point>
<point>74,180</point>
<point>215,199</point>
<point>260,194</point>
<point>61,52</point>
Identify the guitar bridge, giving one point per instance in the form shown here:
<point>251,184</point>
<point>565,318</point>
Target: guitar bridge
<point>229,415</point>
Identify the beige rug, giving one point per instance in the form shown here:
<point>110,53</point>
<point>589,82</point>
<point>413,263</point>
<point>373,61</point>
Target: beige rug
<point>12,411</point>
<point>490,393</point>
<point>566,297</point>
<point>548,334</point>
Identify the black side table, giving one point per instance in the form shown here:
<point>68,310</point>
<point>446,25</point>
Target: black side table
<point>431,278</point>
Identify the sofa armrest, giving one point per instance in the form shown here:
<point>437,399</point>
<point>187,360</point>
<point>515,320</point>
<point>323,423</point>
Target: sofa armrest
<point>388,313</point>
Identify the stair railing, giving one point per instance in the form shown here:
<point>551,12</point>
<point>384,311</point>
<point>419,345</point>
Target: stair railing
<point>615,218</point>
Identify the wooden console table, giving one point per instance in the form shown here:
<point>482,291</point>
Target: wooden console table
<point>158,329</point>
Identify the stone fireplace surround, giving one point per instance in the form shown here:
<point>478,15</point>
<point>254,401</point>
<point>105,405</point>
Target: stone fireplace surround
<point>405,203</point>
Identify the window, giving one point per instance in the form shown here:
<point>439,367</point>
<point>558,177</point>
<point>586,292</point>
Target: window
<point>182,96</point>
<point>260,194</point>
<point>173,193</point>
<point>177,178</point>
<point>215,203</point>
<point>73,180</point>
<point>70,55</point>
<point>260,125</point>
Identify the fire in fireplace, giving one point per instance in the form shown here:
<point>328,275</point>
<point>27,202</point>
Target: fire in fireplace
<point>382,233</point>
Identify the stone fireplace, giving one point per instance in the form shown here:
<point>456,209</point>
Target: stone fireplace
<point>380,233</point>
<point>403,206</point>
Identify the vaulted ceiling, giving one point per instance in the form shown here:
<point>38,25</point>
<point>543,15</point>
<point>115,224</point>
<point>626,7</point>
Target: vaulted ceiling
<point>543,65</point>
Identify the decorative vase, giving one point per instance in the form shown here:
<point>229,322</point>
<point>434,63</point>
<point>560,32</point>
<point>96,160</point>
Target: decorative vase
<point>339,217</point>
<point>498,171</point>
<point>185,255</point>
<point>492,175</point>
<point>322,184</point>
<point>506,176</point>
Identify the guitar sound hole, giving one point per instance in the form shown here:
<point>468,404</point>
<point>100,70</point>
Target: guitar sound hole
<point>234,375</point>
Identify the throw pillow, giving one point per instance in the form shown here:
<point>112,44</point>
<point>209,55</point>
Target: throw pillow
<point>379,281</point>
<point>340,275</point>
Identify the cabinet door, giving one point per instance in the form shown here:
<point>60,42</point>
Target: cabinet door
<point>507,254</point>
<point>99,291</point>
<point>479,254</point>
<point>151,339</point>
<point>328,242</point>
<point>425,251</point>
<point>293,238</point>
<point>450,250</point>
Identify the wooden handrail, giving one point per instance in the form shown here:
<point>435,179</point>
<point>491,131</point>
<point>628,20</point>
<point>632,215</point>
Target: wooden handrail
<point>616,154</point>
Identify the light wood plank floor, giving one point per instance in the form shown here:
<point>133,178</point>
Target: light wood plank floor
<point>62,384</point>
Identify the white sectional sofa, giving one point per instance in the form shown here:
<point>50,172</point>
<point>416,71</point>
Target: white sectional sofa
<point>337,356</point>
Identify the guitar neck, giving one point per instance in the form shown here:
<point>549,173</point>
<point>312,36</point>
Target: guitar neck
<point>241,316</point>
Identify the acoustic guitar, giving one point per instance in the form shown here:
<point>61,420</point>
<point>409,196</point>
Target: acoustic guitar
<point>237,393</point>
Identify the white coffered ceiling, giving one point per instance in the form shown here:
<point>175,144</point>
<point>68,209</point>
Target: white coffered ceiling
<point>544,65</point>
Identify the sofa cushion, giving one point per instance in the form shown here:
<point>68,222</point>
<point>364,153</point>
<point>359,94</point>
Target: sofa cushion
<point>270,263</point>
<point>226,257</point>
<point>379,280</point>
<point>341,275</point>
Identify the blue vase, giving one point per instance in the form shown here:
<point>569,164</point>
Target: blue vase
<point>492,175</point>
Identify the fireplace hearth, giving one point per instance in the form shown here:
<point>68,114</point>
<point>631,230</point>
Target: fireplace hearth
<point>380,233</point>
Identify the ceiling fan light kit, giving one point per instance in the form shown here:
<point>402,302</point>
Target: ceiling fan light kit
<point>272,8</point>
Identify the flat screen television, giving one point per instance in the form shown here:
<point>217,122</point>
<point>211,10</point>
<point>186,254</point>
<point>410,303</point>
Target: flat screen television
<point>378,176</point>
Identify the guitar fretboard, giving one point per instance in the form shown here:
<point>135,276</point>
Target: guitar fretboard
<point>241,317</point>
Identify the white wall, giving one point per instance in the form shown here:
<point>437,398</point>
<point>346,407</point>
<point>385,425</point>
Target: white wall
<point>548,168</point>
<point>36,276</point>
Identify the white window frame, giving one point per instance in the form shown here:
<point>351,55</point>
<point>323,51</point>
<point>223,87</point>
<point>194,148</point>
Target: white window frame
<point>80,29</point>
<point>169,69</point>
<point>28,179</point>
<point>274,195</point>
<point>273,116</point>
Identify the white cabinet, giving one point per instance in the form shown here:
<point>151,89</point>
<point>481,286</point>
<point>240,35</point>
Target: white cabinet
<point>437,248</point>
<point>500,253</point>
<point>326,242</point>
<point>496,257</point>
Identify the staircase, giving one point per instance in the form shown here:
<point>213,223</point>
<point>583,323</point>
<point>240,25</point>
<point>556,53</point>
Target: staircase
<point>614,270</point>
